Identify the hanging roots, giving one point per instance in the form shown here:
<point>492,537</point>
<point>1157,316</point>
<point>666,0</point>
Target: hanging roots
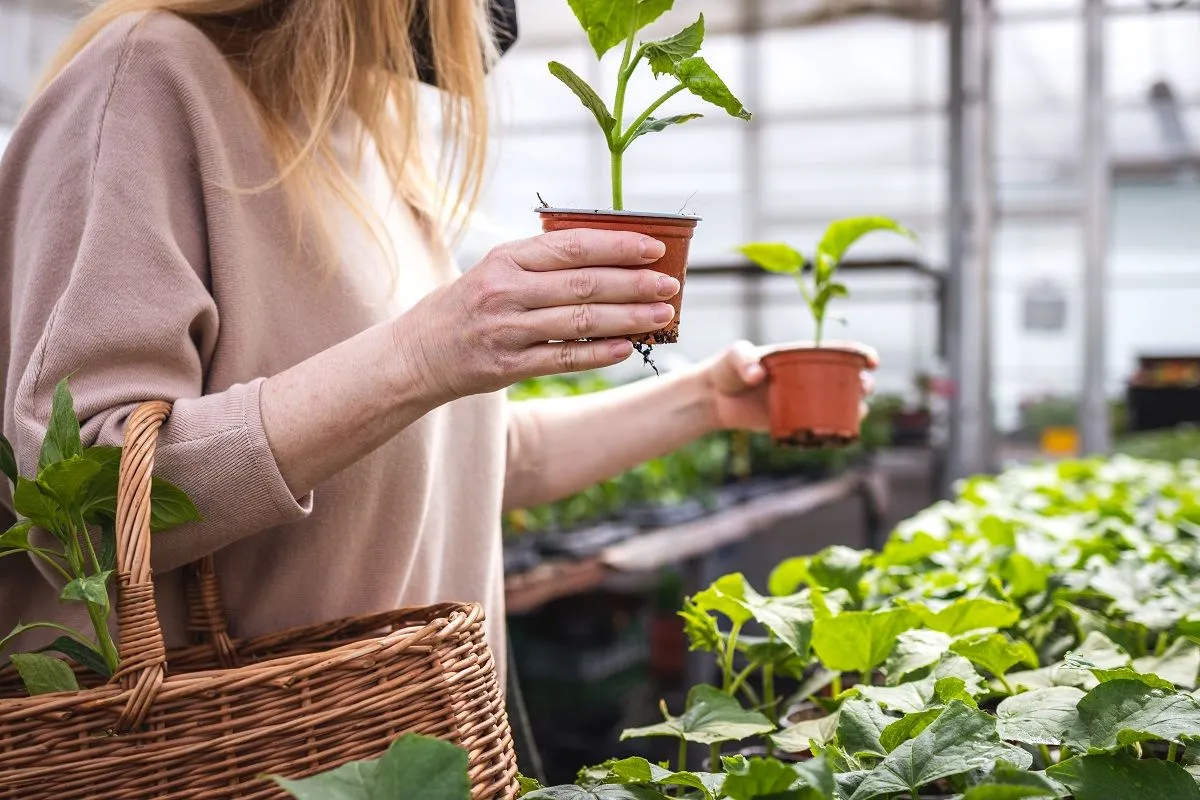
<point>644,351</point>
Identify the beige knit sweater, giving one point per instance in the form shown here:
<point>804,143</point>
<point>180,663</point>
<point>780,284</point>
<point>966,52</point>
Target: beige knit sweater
<point>125,263</point>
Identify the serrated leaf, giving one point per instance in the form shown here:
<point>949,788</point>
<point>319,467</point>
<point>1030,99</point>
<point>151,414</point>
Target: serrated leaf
<point>790,619</point>
<point>1041,716</point>
<point>762,779</point>
<point>1009,783</point>
<point>170,506</point>
<point>602,792</point>
<point>587,95</point>
<point>781,258</point>
<point>1122,712</point>
<point>639,770</point>
<point>92,589</point>
<point>996,653</point>
<point>711,717</point>
<point>414,767</point>
<point>914,696</point>
<point>700,79</point>
<point>82,654</point>
<point>1179,664</point>
<point>860,724</point>
<point>1130,674</point>
<point>859,641</point>
<point>800,737</point>
<point>1120,776</point>
<point>610,22</point>
<point>43,674</point>
<point>961,740</point>
<point>656,125</point>
<point>907,727</point>
<point>665,54</point>
<point>967,614</point>
<point>62,435</point>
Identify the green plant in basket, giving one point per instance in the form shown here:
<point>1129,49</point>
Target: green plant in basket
<point>67,515</point>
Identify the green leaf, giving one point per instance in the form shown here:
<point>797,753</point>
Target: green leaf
<point>827,292</point>
<point>31,502</point>
<point>610,22</point>
<point>98,503</point>
<point>800,737</point>
<point>699,78</point>
<point>779,257</point>
<point>1130,674</point>
<point>1009,783</point>
<point>526,785</point>
<point>861,723</point>
<point>108,546</point>
<point>968,614</point>
<point>953,688</point>
<point>701,628</point>
<point>767,778</point>
<point>711,717</point>
<point>839,567</point>
<point>907,727</point>
<point>1120,776</point>
<point>44,674</point>
<point>639,770</point>
<point>995,652</point>
<point>591,101</point>
<point>1179,664</point>
<point>413,767</point>
<point>789,618</point>
<point>602,792</point>
<point>914,696</point>
<point>1122,712</point>
<point>92,589</point>
<point>859,641</point>
<point>961,740</point>
<point>1041,716</point>
<point>169,506</point>
<point>62,436</point>
<point>665,54</point>
<point>83,654</point>
<point>8,460</point>
<point>915,650</point>
<point>16,537</point>
<point>842,234</point>
<point>66,481</point>
<point>656,125</point>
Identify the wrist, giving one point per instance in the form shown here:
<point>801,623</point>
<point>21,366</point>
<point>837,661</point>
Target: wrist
<point>702,392</point>
<point>409,375</point>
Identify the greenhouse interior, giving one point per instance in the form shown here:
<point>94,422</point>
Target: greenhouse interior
<point>942,541</point>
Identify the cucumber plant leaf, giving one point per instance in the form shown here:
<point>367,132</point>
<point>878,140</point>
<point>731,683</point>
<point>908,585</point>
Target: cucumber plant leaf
<point>609,791</point>
<point>1040,716</point>
<point>1179,663</point>
<point>656,124</point>
<point>699,78</point>
<point>790,618</point>
<point>1006,782</point>
<point>917,695</point>
<point>842,234</point>
<point>1120,776</point>
<point>801,736</point>
<point>907,727</point>
<point>639,770</point>
<point>610,22</point>
<point>1122,712</point>
<point>915,650</point>
<point>859,641</point>
<point>861,722</point>
<point>44,674</point>
<point>767,778</point>
<point>967,614</point>
<point>781,258</point>
<point>711,717</point>
<point>591,101</point>
<point>414,767</point>
<point>996,653</point>
<point>961,740</point>
<point>665,54</point>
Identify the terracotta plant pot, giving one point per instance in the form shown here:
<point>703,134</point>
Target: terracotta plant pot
<point>673,230</point>
<point>813,395</point>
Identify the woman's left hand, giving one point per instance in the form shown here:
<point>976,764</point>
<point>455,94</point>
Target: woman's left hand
<point>737,385</point>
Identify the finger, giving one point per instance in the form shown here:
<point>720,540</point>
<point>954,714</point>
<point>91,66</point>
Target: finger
<point>596,285</point>
<point>868,383</point>
<point>595,320</point>
<point>551,359</point>
<point>866,351</point>
<point>863,411</point>
<point>742,362</point>
<point>584,247</point>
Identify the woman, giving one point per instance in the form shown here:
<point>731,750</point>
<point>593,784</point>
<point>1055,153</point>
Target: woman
<point>222,204</point>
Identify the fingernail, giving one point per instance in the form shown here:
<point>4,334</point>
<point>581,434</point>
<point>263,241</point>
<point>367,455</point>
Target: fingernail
<point>653,248</point>
<point>667,286</point>
<point>754,372</point>
<point>621,348</point>
<point>662,312</point>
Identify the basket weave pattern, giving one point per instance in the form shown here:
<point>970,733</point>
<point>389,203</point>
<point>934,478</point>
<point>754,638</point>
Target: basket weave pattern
<point>205,722</point>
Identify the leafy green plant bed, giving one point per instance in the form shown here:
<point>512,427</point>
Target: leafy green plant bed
<point>1174,444</point>
<point>1036,637</point>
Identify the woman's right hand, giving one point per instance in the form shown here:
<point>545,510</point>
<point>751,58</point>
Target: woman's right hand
<point>522,310</point>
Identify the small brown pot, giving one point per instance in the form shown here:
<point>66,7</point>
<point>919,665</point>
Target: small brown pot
<point>813,395</point>
<point>673,230</point>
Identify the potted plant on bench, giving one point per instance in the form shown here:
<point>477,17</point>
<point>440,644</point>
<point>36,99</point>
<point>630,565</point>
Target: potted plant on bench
<point>612,23</point>
<point>814,390</point>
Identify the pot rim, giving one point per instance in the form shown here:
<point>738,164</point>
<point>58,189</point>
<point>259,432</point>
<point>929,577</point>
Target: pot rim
<point>599,212</point>
<point>796,347</point>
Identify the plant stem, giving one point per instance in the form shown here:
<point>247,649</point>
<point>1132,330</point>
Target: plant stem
<point>1007,686</point>
<point>1172,749</point>
<point>1045,753</point>
<point>727,667</point>
<point>741,678</point>
<point>645,115</point>
<point>614,136</point>
<point>683,755</point>
<point>48,557</point>
<point>1160,646</point>
<point>835,685</point>
<point>819,318</point>
<point>104,639</point>
<point>618,198</point>
<point>714,758</point>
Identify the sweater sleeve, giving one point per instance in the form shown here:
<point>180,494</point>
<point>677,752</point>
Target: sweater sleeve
<point>111,288</point>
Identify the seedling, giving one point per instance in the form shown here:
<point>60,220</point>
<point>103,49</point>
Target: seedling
<point>609,23</point>
<point>820,287</point>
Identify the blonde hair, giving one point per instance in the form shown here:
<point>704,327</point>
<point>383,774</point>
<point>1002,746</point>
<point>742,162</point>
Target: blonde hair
<point>306,62</point>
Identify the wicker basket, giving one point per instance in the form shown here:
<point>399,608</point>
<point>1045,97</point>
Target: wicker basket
<point>294,703</point>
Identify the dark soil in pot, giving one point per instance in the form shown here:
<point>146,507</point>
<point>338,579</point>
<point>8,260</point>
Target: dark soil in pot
<point>802,712</point>
<point>665,516</point>
<point>813,395</point>
<point>586,542</point>
<point>673,230</point>
<point>520,555</point>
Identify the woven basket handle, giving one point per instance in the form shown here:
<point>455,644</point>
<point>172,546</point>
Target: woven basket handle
<point>143,655</point>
